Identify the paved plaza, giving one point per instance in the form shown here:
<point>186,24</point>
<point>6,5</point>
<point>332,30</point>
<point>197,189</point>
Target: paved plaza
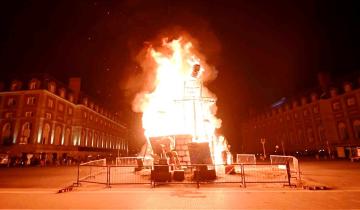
<point>37,188</point>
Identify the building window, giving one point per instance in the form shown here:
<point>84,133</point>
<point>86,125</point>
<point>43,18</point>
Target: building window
<point>8,115</point>
<point>25,133</point>
<point>11,102</point>
<point>343,133</point>
<point>15,85</point>
<point>71,98</point>
<point>89,140</point>
<point>48,116</point>
<point>67,136</point>
<point>46,133</point>
<point>57,135</point>
<point>85,101</point>
<point>351,101</point>
<point>61,107</point>
<point>32,85</point>
<point>6,137</point>
<point>83,137</point>
<point>336,105</point>
<point>52,87</point>
<point>84,115</point>
<point>356,126</point>
<point>30,100</point>
<point>91,117</point>
<point>70,111</point>
<point>50,103</point>
<point>62,93</point>
<point>28,114</point>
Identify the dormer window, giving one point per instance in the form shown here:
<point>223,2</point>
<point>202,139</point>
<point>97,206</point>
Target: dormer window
<point>34,83</point>
<point>71,98</point>
<point>15,85</point>
<point>62,93</point>
<point>52,87</point>
<point>85,101</point>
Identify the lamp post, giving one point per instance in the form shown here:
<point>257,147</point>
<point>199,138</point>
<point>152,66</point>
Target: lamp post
<point>262,141</point>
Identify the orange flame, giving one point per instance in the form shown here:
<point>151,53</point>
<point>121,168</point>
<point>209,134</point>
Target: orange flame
<point>180,104</point>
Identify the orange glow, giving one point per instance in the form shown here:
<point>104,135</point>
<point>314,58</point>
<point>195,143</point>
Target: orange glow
<point>179,103</point>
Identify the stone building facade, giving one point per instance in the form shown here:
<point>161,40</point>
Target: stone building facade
<point>48,120</point>
<point>330,125</point>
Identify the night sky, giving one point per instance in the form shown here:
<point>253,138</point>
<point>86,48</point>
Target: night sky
<point>263,50</point>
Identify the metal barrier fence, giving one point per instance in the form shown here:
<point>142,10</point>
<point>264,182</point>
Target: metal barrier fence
<point>293,163</point>
<point>246,158</point>
<point>188,174</point>
<point>93,172</point>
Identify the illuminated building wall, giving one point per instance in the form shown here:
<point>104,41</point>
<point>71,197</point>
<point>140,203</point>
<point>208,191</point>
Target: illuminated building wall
<point>313,124</point>
<point>43,116</point>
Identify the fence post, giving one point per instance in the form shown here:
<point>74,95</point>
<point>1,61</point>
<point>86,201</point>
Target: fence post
<point>288,172</point>
<point>243,175</point>
<point>108,176</point>
<point>78,175</point>
<point>198,176</point>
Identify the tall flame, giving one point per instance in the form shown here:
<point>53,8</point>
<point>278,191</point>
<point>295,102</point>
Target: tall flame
<point>179,102</point>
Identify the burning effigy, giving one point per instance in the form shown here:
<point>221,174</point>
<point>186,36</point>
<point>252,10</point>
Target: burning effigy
<point>179,111</point>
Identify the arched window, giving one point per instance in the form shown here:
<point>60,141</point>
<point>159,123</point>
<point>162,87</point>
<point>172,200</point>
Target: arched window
<point>46,134</point>
<point>95,139</point>
<point>343,133</point>
<point>57,135</point>
<point>83,137</point>
<point>25,133</point>
<point>6,137</point>
<point>67,136</point>
<point>356,126</point>
<point>89,139</point>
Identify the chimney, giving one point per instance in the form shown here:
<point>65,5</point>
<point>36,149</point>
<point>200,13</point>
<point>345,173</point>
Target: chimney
<point>74,86</point>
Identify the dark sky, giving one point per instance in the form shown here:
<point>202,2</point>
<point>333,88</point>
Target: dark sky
<point>263,50</point>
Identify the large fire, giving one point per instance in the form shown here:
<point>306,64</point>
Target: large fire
<point>179,103</point>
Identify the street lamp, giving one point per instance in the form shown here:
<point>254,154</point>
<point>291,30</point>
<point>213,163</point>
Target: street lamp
<point>262,141</point>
